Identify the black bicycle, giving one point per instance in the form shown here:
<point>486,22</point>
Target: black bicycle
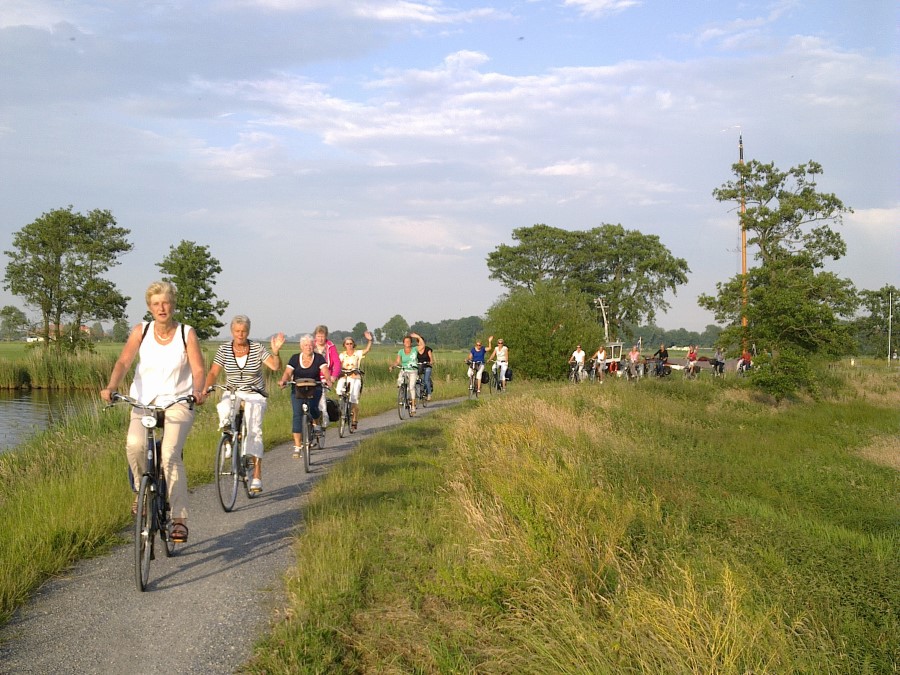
<point>404,404</point>
<point>151,516</point>
<point>233,465</point>
<point>497,383</point>
<point>421,393</point>
<point>345,407</point>
<point>312,437</point>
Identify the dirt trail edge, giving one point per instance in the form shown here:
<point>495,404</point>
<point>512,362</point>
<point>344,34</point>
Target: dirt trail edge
<point>204,607</point>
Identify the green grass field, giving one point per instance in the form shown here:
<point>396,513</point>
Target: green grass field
<point>669,527</point>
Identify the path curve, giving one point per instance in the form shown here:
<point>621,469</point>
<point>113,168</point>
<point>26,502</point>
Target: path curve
<point>205,606</point>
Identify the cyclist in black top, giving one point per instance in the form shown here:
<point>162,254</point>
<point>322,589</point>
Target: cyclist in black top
<point>426,363</point>
<point>663,358</point>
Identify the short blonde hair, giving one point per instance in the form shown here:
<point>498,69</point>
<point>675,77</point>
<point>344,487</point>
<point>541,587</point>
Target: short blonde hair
<point>321,329</point>
<point>166,288</point>
<point>241,320</point>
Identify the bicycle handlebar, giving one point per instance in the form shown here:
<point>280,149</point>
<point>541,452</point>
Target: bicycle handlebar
<point>233,389</point>
<point>134,403</point>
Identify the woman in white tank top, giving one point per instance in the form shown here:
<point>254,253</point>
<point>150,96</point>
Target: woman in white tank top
<point>170,366</point>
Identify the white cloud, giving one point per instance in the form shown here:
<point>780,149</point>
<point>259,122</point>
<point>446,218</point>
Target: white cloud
<point>598,8</point>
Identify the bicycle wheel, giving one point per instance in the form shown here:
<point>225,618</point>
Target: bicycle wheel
<point>246,469</point>
<point>402,401</point>
<point>226,473</point>
<point>306,439</point>
<point>421,397</point>
<point>165,524</point>
<point>472,387</point>
<point>345,416</point>
<point>144,534</point>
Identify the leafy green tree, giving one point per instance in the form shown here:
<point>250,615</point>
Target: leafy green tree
<point>193,269</point>
<point>13,322</point>
<point>97,332</point>
<point>120,330</point>
<point>779,206</point>
<point>378,335</point>
<point>57,266</point>
<point>542,326</point>
<point>871,329</point>
<point>629,271</point>
<point>102,242</point>
<point>795,311</point>
<point>359,331</point>
<point>395,328</point>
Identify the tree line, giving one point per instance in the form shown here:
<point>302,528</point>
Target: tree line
<point>564,287</point>
<point>789,307</point>
<point>58,264</point>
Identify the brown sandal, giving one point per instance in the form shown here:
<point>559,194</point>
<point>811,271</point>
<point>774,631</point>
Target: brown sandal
<point>134,507</point>
<point>179,533</point>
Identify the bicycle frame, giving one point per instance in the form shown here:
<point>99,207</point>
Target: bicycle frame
<point>233,469</point>
<point>404,406</point>
<point>151,517</point>
<point>307,434</point>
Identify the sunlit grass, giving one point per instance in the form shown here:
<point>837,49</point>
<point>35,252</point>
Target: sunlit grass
<point>669,527</point>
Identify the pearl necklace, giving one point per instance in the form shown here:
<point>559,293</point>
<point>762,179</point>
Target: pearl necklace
<point>162,338</point>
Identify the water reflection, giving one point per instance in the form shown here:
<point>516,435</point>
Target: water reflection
<point>23,413</point>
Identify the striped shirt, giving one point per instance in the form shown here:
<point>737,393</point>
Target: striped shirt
<point>248,375</point>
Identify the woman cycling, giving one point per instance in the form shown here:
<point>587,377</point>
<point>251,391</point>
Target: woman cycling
<point>170,365</point>
<point>326,348</point>
<point>351,360</point>
<point>242,360</point>
<point>477,356</point>
<point>501,356</point>
<point>307,365</point>
<point>408,362</point>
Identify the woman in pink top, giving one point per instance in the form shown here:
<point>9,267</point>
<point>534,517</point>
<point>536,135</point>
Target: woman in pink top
<point>326,348</point>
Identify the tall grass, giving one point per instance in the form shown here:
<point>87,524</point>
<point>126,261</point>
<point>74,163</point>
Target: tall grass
<point>677,527</point>
<point>50,369</point>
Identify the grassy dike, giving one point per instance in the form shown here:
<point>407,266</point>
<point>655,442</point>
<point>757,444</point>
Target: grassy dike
<point>668,527</point>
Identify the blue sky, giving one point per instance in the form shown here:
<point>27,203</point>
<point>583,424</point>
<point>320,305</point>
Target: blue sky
<point>348,161</point>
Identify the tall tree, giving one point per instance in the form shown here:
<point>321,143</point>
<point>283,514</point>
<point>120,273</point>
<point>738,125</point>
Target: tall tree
<point>120,330</point>
<point>359,331</point>
<point>57,266</point>
<point>193,269</point>
<point>13,322</point>
<point>779,206</point>
<point>795,310</point>
<point>101,244</point>
<point>542,326</point>
<point>395,328</point>
<point>629,271</point>
<point>872,327</point>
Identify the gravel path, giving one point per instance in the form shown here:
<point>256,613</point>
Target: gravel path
<point>204,607</point>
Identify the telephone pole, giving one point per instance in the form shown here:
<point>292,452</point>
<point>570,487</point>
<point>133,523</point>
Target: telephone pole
<point>743,240</point>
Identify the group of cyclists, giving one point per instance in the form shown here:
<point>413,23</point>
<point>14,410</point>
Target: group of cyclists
<point>170,366</point>
<point>634,365</point>
<point>478,358</point>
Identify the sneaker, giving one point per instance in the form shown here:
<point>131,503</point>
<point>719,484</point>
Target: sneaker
<point>296,453</point>
<point>228,451</point>
<point>428,398</point>
<point>412,410</point>
<point>256,485</point>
